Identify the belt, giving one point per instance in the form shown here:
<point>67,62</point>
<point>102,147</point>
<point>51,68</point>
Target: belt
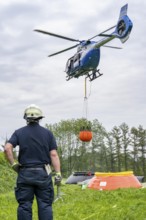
<point>39,167</point>
<point>33,168</point>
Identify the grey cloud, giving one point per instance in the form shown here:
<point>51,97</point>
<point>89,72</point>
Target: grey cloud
<point>28,76</point>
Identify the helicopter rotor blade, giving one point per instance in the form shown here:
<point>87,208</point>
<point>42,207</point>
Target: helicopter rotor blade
<point>103,32</point>
<point>56,35</point>
<point>61,51</point>
<point>112,47</point>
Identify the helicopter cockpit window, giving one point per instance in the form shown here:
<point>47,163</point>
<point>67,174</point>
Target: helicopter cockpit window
<point>69,64</point>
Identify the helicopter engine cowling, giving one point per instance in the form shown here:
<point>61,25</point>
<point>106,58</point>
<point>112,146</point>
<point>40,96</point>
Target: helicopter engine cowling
<point>123,28</point>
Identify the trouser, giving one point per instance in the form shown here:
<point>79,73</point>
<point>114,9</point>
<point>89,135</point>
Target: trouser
<point>36,182</point>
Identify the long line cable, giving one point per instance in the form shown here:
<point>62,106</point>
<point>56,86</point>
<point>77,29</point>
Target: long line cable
<point>85,104</point>
<point>90,89</point>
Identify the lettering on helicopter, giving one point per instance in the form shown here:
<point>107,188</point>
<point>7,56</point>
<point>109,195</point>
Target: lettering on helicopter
<point>86,60</point>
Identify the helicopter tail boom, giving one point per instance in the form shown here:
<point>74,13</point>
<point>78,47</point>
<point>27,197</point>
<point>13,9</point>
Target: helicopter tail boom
<point>124,25</point>
<point>122,30</point>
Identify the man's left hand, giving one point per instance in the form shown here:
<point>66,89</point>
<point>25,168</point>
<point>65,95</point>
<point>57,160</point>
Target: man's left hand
<point>58,178</point>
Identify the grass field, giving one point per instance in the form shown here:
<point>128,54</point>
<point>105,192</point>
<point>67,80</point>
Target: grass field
<point>78,204</point>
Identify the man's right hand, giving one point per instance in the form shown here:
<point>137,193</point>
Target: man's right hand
<point>16,166</point>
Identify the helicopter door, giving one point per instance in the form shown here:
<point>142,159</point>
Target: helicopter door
<point>77,60</point>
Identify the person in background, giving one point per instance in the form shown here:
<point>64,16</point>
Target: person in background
<point>37,152</point>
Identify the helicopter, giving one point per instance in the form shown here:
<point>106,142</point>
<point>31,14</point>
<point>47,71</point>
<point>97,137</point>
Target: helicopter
<point>86,60</point>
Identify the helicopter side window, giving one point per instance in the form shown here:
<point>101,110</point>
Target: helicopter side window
<point>79,48</point>
<point>77,57</point>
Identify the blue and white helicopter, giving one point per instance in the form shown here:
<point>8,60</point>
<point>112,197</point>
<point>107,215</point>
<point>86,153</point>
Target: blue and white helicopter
<point>86,60</point>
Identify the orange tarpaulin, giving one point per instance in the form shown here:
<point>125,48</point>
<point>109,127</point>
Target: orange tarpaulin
<point>112,181</point>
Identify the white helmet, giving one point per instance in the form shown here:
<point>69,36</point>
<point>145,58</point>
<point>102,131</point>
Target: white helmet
<point>33,113</point>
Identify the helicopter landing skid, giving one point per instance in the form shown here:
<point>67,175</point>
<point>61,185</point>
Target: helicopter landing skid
<point>91,76</point>
<point>69,77</point>
<point>94,75</point>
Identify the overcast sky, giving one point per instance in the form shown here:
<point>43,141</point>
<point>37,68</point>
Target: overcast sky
<point>28,76</point>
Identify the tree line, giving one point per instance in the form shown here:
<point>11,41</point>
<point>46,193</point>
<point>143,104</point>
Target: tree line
<point>121,149</point>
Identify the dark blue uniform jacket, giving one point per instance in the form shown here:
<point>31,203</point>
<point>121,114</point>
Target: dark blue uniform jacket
<point>35,143</point>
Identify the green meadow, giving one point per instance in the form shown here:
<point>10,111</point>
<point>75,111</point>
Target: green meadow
<point>77,203</point>
<point>87,204</point>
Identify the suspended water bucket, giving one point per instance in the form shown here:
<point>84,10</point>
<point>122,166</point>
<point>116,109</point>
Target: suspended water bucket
<point>85,135</point>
